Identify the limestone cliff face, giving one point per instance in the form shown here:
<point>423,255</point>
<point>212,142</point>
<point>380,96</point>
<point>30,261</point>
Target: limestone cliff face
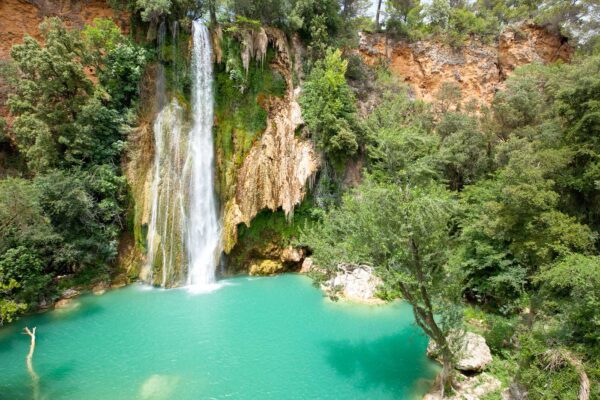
<point>277,168</point>
<point>477,67</point>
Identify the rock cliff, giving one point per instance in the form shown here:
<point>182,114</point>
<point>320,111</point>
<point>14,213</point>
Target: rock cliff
<point>478,68</point>
<point>275,172</point>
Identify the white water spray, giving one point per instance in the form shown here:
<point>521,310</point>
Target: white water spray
<point>203,230</point>
<point>184,230</point>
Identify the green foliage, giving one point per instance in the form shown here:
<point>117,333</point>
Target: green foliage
<point>68,218</point>
<point>512,227</point>
<point>328,107</point>
<point>403,232</point>
<point>577,19</point>
<point>571,290</point>
<point>317,21</point>
<point>401,145</point>
<point>268,12</point>
<point>152,10</point>
<point>241,108</point>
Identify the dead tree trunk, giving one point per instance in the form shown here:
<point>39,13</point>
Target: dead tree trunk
<point>35,379</point>
<point>584,381</point>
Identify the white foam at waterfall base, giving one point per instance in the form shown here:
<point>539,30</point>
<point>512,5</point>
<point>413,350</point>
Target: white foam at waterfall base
<point>203,230</point>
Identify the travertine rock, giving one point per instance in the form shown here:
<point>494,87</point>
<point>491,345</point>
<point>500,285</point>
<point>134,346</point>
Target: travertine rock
<point>472,353</point>
<point>279,165</point>
<point>355,283</point>
<point>266,267</point>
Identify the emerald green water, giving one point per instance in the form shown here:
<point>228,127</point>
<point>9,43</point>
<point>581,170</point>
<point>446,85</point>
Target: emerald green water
<point>255,338</point>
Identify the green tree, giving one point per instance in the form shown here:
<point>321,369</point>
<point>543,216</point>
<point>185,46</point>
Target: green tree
<point>403,232</point>
<point>571,293</point>
<point>512,227</point>
<point>328,107</point>
<point>401,144</point>
<point>51,89</point>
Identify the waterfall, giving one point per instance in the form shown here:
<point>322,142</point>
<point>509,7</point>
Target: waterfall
<point>184,231</point>
<point>203,230</point>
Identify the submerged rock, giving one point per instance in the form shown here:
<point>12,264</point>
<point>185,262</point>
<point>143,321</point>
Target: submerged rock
<point>472,353</point>
<point>354,282</point>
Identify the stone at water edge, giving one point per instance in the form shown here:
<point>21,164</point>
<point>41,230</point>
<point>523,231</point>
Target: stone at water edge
<point>469,388</point>
<point>70,293</point>
<point>470,348</point>
<point>266,267</point>
<point>292,255</point>
<point>307,265</point>
<point>354,282</point>
<point>100,288</point>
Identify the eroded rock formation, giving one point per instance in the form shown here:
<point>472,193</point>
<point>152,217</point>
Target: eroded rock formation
<point>478,68</point>
<point>277,168</point>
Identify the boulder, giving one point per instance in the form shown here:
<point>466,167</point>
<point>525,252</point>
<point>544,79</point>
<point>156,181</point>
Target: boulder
<point>354,282</point>
<point>100,288</point>
<point>70,293</point>
<point>515,391</point>
<point>307,265</point>
<point>469,388</point>
<point>266,267</point>
<point>292,255</point>
<point>472,353</point>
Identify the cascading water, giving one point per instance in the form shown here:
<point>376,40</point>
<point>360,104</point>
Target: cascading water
<point>203,230</point>
<point>184,229</point>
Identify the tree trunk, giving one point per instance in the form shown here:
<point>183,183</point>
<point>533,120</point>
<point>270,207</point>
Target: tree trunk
<point>35,379</point>
<point>213,12</point>
<point>584,381</point>
<point>447,369</point>
<point>377,26</point>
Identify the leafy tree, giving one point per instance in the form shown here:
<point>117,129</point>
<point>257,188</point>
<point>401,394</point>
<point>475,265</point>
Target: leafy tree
<point>577,105</point>
<point>512,227</point>
<point>401,144</point>
<point>578,19</point>
<point>403,232</point>
<point>571,292</point>
<point>328,107</point>
<point>317,21</point>
<point>22,221</point>
<point>464,152</point>
<point>405,18</point>
<point>51,89</point>
<point>153,10</point>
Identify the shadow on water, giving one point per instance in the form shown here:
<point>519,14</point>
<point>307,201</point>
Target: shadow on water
<point>392,363</point>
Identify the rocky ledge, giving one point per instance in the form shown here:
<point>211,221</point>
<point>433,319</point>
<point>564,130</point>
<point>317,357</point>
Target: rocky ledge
<point>473,356</point>
<point>355,283</point>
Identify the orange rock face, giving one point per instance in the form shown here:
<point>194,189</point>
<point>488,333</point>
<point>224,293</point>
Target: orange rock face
<point>21,17</point>
<point>477,67</point>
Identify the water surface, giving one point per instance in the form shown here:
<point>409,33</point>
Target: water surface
<point>255,338</point>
